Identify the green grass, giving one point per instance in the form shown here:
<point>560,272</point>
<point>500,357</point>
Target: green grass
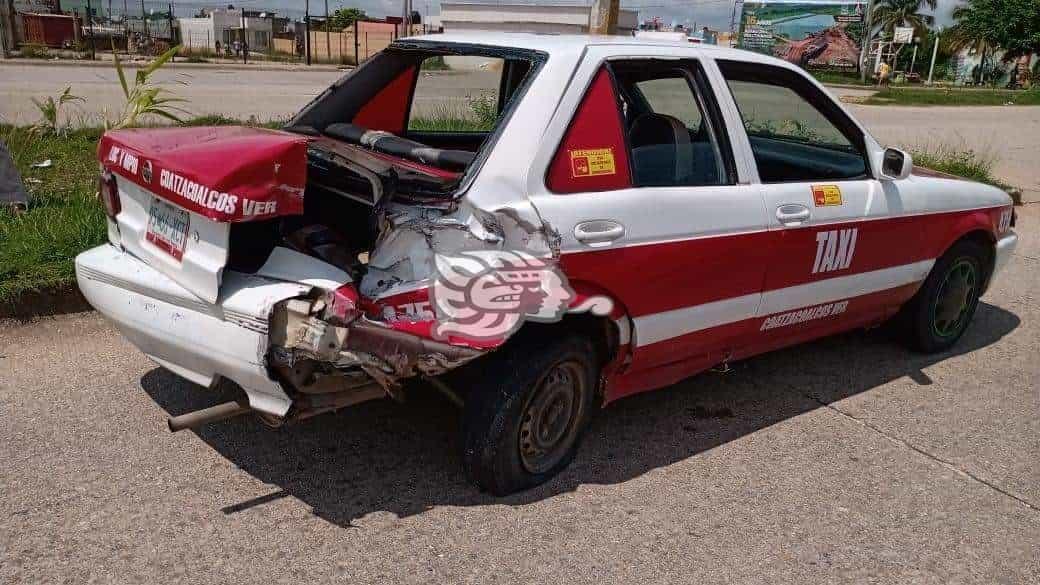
<point>960,162</point>
<point>64,217</point>
<point>839,77</point>
<point>898,96</point>
<point>446,125</point>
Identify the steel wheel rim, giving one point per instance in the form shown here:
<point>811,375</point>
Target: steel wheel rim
<point>954,299</point>
<point>550,419</point>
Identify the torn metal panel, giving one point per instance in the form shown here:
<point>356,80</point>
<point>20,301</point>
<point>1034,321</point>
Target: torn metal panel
<point>300,331</point>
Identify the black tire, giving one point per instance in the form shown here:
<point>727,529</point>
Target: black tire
<point>937,316</point>
<point>513,392</point>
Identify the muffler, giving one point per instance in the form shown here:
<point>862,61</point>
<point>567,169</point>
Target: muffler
<point>198,418</point>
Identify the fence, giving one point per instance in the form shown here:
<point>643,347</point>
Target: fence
<point>349,46</point>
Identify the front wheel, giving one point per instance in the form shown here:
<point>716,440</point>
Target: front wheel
<point>526,412</point>
<point>940,312</point>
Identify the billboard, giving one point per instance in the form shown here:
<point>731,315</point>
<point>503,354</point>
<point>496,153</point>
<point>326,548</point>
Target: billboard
<point>814,35</point>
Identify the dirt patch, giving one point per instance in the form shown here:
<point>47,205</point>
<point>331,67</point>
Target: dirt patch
<point>56,300</point>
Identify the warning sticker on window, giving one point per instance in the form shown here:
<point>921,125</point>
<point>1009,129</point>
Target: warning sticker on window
<point>826,195</point>
<point>592,162</point>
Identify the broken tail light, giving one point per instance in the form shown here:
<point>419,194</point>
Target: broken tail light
<point>108,193</point>
<point>343,305</point>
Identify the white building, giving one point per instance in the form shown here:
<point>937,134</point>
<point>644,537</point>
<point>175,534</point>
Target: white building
<point>226,25</point>
<point>519,17</point>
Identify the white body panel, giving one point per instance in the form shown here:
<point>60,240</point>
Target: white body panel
<point>205,252</point>
<point>195,339</point>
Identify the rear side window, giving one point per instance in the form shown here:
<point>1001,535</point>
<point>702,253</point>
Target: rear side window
<point>796,132</point>
<point>672,96</point>
<point>673,143</point>
<point>642,123</point>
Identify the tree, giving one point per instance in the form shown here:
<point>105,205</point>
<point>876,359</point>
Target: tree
<point>888,14</point>
<point>345,17</point>
<point>1011,25</point>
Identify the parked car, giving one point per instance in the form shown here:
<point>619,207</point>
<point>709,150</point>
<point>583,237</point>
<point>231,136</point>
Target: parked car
<point>554,224</point>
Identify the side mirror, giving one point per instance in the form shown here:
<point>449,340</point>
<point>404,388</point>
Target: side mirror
<point>895,164</point>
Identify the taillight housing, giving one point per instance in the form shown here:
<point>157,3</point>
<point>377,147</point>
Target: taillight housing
<point>108,193</point>
<point>342,305</point>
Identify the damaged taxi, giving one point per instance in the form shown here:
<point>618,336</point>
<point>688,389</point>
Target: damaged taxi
<point>548,225</point>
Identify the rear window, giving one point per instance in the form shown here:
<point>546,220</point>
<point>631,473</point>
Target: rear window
<point>457,94</point>
<point>436,104</point>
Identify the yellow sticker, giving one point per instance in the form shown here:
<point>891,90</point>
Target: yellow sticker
<point>592,162</point>
<point>826,195</point>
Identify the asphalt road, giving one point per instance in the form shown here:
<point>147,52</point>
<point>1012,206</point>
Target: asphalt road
<point>846,460</point>
<point>1010,135</point>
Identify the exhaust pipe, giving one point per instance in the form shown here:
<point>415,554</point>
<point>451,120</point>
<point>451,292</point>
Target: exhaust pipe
<point>198,418</point>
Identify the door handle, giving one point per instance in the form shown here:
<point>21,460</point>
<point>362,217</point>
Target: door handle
<point>598,232</point>
<point>792,214</point>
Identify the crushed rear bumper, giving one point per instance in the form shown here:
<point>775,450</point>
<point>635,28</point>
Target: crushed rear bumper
<point>199,341</point>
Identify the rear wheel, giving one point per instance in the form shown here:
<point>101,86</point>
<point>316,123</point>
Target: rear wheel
<point>526,412</point>
<point>940,312</point>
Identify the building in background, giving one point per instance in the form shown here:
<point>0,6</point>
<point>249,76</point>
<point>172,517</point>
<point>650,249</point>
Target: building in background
<point>517,17</point>
<point>225,25</point>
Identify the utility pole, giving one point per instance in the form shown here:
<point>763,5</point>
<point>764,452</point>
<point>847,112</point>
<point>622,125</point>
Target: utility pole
<point>603,17</point>
<point>90,27</point>
<point>307,29</point>
<point>169,20</point>
<point>6,28</point>
<point>328,37</point>
<point>868,24</point>
<point>245,48</point>
<point>935,50</point>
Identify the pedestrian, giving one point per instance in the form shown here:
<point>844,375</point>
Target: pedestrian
<point>883,73</point>
<point>218,48</point>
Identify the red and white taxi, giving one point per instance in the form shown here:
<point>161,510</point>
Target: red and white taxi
<point>535,226</point>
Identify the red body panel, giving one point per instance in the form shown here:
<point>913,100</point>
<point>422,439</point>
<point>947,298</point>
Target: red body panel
<point>659,277</point>
<point>653,278</point>
<point>388,110</point>
<point>593,155</point>
<point>228,174</point>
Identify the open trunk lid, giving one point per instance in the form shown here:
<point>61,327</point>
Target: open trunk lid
<point>181,188</point>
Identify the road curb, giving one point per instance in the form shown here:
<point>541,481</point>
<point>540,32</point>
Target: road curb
<point>49,301</point>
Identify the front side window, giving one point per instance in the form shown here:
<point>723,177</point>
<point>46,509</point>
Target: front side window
<point>796,132</point>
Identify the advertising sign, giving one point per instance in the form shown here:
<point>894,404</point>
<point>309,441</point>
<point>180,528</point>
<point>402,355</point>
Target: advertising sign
<point>814,35</point>
<point>903,35</point>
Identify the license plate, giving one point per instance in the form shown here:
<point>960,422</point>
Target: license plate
<point>167,228</point>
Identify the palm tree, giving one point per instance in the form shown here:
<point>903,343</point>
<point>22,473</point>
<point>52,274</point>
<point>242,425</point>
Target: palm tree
<point>888,14</point>
<point>966,35</point>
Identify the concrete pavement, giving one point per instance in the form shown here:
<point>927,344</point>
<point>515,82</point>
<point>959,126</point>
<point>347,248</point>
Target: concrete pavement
<point>849,460</point>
